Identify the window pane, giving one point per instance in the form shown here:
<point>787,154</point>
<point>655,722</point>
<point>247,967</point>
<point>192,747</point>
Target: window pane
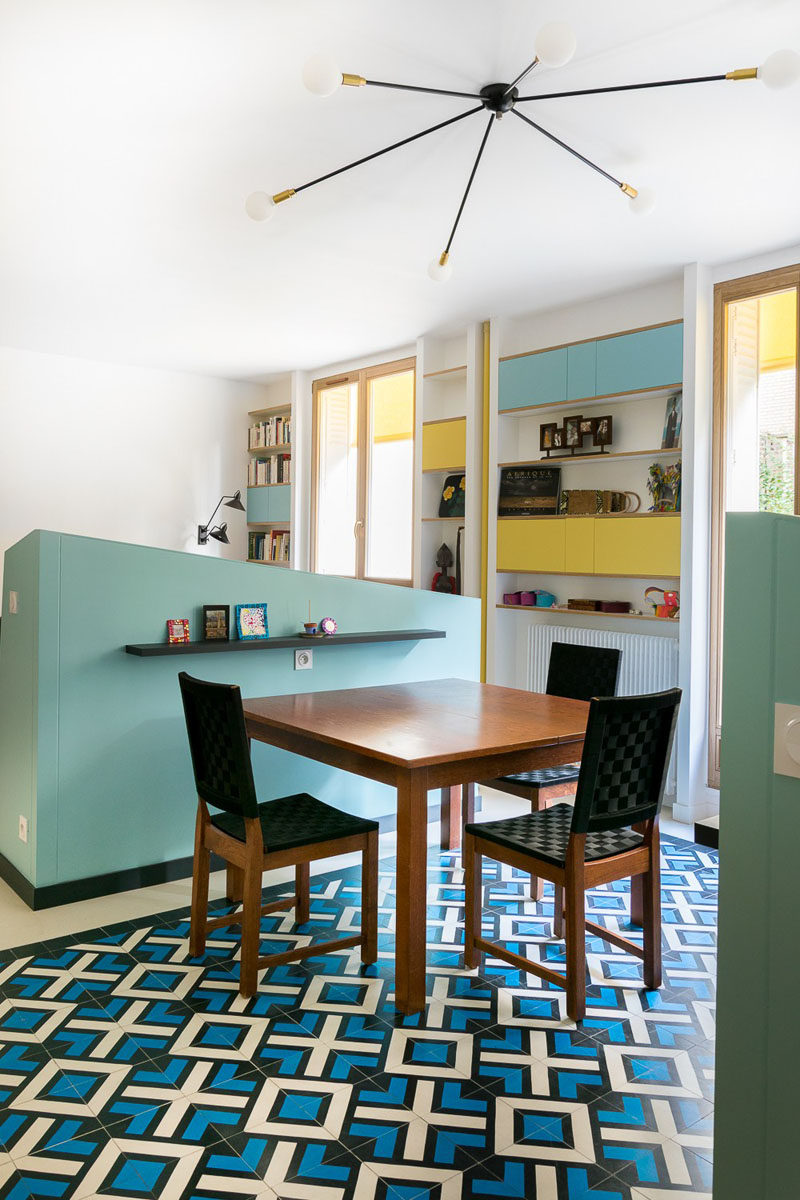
<point>777,367</point>
<point>390,496</point>
<point>337,487</point>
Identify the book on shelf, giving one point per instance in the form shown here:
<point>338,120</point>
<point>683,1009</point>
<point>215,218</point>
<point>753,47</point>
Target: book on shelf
<point>277,468</point>
<point>271,545</point>
<point>275,431</point>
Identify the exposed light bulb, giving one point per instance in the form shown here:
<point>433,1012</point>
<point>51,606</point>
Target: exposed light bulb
<point>321,75</point>
<point>555,44</point>
<point>780,70</point>
<point>643,202</point>
<point>259,206</point>
<point>440,269</point>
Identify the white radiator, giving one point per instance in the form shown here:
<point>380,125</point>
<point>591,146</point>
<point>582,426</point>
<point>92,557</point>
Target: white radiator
<point>649,664</point>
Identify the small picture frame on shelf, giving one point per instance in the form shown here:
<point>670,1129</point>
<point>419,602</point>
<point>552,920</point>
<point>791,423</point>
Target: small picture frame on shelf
<point>216,622</point>
<point>558,438</point>
<point>178,630</point>
<point>572,432</point>
<point>603,431</point>
<point>587,427</point>
<point>671,437</point>
<point>251,622</point>
<point>546,434</point>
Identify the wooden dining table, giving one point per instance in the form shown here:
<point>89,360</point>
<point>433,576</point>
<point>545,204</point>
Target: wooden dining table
<point>439,734</point>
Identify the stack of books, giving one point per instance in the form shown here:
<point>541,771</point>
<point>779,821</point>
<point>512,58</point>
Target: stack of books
<point>276,431</point>
<point>275,469</point>
<point>273,545</point>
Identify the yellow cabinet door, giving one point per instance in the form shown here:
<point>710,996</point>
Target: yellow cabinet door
<point>638,546</point>
<point>531,544</point>
<point>444,444</point>
<point>579,552</point>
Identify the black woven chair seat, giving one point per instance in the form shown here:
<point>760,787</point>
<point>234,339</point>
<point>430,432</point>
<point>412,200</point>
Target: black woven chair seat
<point>547,776</point>
<point>293,821</point>
<point>544,835</point>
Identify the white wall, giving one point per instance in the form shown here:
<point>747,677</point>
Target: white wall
<point>125,453</point>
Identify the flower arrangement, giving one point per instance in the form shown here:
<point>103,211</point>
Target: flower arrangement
<point>664,485</point>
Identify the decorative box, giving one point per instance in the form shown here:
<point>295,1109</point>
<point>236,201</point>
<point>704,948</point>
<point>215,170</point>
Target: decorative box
<point>584,605</point>
<point>545,599</point>
<point>511,597</point>
<point>618,606</point>
<point>528,598</point>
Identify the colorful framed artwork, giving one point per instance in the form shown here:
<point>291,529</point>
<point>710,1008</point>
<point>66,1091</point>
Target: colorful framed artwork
<point>178,630</point>
<point>587,426</point>
<point>251,622</point>
<point>216,622</point>
<point>528,491</point>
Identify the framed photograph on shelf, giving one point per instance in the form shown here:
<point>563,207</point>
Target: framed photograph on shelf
<point>178,630</point>
<point>529,491</point>
<point>603,428</point>
<point>671,438</point>
<point>572,431</point>
<point>251,622</point>
<point>216,622</point>
<point>546,433</point>
<point>587,427</point>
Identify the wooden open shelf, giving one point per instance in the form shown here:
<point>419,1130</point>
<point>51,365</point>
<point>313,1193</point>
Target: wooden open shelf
<point>447,373</point>
<point>584,516</point>
<point>574,458</point>
<point>578,612</point>
<point>664,389</point>
<point>268,562</point>
<point>273,408</point>
<point>286,483</point>
<point>444,470</point>
<point>157,649</point>
<point>285,447</point>
<point>437,519</point>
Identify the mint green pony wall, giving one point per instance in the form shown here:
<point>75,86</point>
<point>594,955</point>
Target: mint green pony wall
<point>758,1033</point>
<point>93,749</point>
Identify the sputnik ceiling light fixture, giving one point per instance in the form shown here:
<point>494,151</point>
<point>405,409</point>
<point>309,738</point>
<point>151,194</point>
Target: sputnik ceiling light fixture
<point>554,46</point>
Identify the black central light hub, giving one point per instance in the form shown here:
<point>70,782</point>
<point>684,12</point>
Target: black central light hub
<point>498,97</point>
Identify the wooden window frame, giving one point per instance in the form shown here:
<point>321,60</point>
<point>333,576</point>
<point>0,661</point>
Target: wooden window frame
<point>362,379</point>
<point>744,288</point>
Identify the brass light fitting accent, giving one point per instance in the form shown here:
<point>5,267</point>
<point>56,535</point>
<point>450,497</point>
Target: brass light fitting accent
<point>629,190</point>
<point>354,80</point>
<point>743,73</point>
<point>279,197</point>
<point>443,257</point>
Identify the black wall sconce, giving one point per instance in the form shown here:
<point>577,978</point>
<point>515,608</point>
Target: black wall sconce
<point>219,532</point>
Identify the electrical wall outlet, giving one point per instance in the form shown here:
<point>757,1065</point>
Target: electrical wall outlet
<point>13,602</point>
<point>23,828</point>
<point>303,660</point>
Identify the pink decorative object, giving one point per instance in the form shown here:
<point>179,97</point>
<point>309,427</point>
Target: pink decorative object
<point>511,597</point>
<point>528,598</point>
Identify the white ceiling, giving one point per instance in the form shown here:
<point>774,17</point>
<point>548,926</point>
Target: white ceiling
<point>131,131</point>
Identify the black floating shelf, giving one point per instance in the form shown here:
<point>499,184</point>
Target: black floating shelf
<point>152,649</point>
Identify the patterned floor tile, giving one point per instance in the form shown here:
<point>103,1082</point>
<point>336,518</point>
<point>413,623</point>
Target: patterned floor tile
<point>130,1069</point>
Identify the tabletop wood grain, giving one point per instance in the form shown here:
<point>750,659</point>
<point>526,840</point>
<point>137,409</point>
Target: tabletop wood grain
<point>422,724</point>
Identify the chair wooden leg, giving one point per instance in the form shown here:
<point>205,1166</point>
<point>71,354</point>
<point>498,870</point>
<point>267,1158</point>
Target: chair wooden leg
<point>473,869</point>
<point>651,917</point>
<point>234,884</point>
<point>576,931</point>
<point>301,892</point>
<point>251,928</point>
<point>558,912</point>
<point>537,884</point>
<point>369,900</point>
<point>200,870</point>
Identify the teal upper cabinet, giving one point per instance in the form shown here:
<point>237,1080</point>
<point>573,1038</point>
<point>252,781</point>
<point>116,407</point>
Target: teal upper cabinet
<point>581,370</point>
<point>269,503</point>
<point>533,379</point>
<point>632,362</point>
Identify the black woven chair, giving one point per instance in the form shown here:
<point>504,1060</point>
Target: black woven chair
<point>610,833</point>
<point>578,673</point>
<point>253,838</point>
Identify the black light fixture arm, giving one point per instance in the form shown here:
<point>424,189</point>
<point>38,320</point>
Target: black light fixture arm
<point>412,87</point>
<point>469,185</point>
<point>522,74</point>
<point>377,153</point>
<point>569,149</point>
<point>204,532</point>
<point>629,87</point>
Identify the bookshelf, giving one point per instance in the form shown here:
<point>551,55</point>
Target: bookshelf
<point>449,433</point>
<point>269,485</point>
